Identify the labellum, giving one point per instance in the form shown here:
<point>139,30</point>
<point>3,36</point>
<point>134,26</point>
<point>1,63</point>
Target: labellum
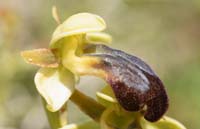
<point>134,83</point>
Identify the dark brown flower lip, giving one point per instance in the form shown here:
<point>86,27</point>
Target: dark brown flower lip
<point>134,83</point>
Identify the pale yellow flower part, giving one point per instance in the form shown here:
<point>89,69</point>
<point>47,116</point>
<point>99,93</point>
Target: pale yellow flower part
<point>80,23</point>
<point>163,123</point>
<point>106,97</point>
<point>115,117</point>
<point>55,86</point>
<point>70,126</point>
<point>85,125</point>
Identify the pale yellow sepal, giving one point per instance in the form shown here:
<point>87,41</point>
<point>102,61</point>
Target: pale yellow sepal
<point>55,85</point>
<point>78,24</point>
<point>164,123</point>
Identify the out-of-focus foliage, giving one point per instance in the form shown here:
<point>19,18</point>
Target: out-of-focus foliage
<point>164,33</point>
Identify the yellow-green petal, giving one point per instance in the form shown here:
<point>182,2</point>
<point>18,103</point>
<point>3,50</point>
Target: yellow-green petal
<point>164,123</point>
<point>55,86</point>
<point>80,23</point>
<point>40,57</point>
<point>98,38</point>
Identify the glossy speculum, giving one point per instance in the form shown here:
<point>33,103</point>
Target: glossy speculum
<point>134,83</point>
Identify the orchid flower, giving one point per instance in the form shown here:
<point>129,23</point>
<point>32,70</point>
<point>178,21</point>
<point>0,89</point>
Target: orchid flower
<point>135,96</point>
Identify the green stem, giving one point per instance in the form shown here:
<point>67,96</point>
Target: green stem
<point>88,105</point>
<point>56,119</point>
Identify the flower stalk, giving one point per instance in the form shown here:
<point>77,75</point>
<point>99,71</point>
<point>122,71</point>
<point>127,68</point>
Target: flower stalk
<point>88,105</point>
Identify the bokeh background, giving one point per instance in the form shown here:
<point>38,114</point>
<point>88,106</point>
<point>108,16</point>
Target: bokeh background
<point>164,33</point>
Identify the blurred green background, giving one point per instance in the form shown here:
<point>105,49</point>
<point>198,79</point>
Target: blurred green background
<point>164,33</point>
